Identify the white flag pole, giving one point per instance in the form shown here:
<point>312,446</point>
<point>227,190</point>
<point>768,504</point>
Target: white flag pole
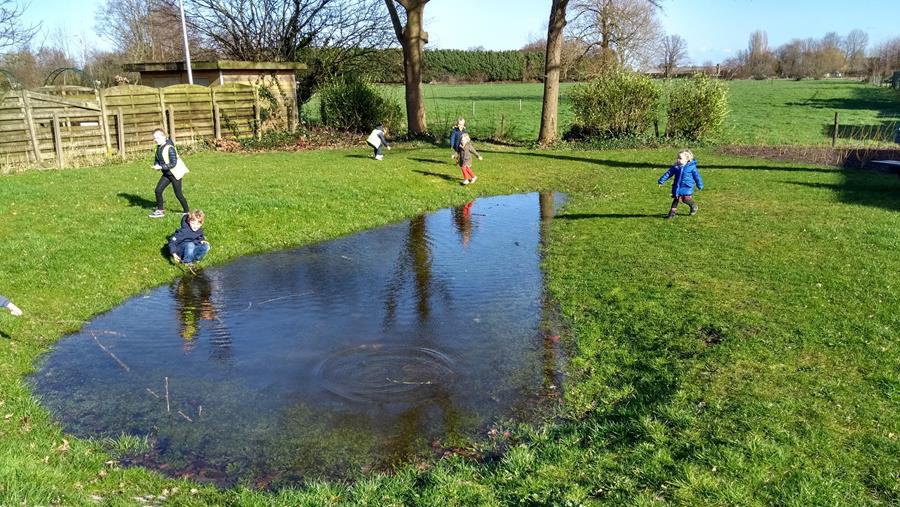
<point>187,51</point>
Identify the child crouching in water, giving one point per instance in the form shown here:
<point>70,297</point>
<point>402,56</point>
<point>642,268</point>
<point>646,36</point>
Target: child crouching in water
<point>466,151</point>
<point>686,175</point>
<point>188,244</point>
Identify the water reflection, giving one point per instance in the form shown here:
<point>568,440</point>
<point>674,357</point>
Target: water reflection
<point>326,360</point>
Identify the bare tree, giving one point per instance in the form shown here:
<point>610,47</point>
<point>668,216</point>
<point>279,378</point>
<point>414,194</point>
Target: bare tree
<point>412,37</point>
<point>623,32</point>
<point>12,32</point>
<point>760,62</point>
<point>276,30</point>
<point>855,44</point>
<point>674,53</point>
<point>550,108</point>
<point>145,30</point>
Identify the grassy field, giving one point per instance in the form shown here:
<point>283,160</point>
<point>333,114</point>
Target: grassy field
<point>745,356</point>
<point>762,112</point>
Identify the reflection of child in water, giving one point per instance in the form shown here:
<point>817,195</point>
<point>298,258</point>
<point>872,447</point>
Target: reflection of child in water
<point>462,219</point>
<point>194,297</point>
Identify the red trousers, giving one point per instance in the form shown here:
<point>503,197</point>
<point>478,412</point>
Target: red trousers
<point>467,172</point>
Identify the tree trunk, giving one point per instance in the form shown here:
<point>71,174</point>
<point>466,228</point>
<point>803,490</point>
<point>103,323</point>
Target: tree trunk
<point>412,39</point>
<point>551,72</point>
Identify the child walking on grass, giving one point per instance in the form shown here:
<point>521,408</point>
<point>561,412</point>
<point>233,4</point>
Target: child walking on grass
<point>188,244</point>
<point>685,176</point>
<point>456,134</point>
<point>172,172</point>
<point>465,153</point>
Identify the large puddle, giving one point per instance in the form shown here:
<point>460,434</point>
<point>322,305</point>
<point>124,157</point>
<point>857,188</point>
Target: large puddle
<point>327,360</point>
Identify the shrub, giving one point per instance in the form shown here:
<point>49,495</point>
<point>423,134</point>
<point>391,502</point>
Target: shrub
<point>355,104</point>
<point>697,108</point>
<point>620,103</point>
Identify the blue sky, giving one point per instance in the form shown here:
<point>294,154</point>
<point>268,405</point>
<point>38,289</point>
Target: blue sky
<point>714,29</point>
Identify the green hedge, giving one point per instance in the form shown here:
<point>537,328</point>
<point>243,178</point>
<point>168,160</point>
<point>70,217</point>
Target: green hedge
<point>449,65</point>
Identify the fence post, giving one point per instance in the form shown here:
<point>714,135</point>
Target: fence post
<point>57,141</point>
<point>172,123</point>
<point>162,109</point>
<point>104,119</point>
<point>834,134</point>
<point>32,131</point>
<point>258,128</point>
<point>217,122</point>
<point>656,127</point>
<point>120,132</point>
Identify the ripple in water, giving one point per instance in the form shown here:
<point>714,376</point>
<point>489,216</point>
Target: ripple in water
<point>326,360</point>
<point>385,374</point>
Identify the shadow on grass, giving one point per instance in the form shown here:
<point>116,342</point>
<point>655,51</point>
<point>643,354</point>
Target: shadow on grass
<point>582,216</point>
<point>357,155</point>
<point>3,334</point>
<point>438,175</point>
<point>429,161</point>
<point>863,188</point>
<point>136,200</point>
<point>624,164</point>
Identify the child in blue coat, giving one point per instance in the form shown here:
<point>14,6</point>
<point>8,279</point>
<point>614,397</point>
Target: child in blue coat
<point>685,177</point>
<point>188,244</point>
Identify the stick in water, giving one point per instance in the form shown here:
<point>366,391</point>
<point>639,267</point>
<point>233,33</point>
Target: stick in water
<point>167,395</point>
<point>151,392</point>
<point>200,412</point>
<point>104,349</point>
<point>183,415</point>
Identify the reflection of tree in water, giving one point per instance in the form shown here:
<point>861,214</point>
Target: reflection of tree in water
<point>415,256</point>
<point>549,316</point>
<point>194,304</point>
<point>462,219</point>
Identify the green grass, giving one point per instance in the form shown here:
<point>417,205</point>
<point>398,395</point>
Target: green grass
<point>762,112</point>
<point>745,356</point>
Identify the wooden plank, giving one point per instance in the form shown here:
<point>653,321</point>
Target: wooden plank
<point>104,120</point>
<point>31,128</point>
<point>39,99</point>
<point>120,132</point>
<point>57,142</point>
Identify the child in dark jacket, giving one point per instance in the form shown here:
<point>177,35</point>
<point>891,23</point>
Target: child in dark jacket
<point>685,175</point>
<point>166,160</point>
<point>466,152</point>
<point>456,134</point>
<point>9,305</point>
<point>376,140</point>
<point>188,244</point>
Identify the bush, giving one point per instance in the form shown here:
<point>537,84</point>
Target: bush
<point>697,108</point>
<point>357,105</point>
<point>618,104</point>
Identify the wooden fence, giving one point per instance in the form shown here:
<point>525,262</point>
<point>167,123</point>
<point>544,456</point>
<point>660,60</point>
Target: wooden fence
<point>58,125</point>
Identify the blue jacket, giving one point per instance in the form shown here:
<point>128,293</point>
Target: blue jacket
<point>184,235</point>
<point>455,135</point>
<point>685,177</point>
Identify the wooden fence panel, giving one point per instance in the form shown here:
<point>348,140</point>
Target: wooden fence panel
<point>14,142</point>
<point>87,127</point>
<point>237,103</point>
<point>193,111</point>
<point>141,112</point>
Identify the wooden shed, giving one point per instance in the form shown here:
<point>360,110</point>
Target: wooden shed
<point>222,72</point>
